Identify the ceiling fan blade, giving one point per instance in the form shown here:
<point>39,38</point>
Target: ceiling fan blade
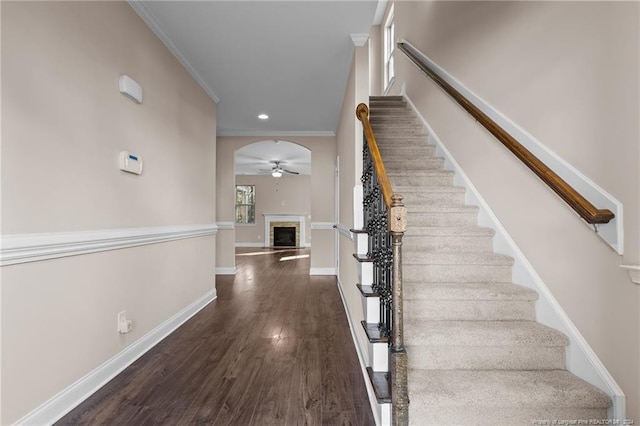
<point>290,171</point>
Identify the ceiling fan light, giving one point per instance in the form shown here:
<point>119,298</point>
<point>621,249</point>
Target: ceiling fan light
<point>276,173</point>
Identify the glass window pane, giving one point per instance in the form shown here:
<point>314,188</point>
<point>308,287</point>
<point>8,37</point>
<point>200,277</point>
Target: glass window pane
<point>245,203</point>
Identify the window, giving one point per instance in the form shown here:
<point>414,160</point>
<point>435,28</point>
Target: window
<point>246,204</point>
<point>389,40</point>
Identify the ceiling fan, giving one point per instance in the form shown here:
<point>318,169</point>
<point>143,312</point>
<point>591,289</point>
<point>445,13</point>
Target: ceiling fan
<point>277,170</point>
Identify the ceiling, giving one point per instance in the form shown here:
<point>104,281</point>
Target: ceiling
<point>287,59</point>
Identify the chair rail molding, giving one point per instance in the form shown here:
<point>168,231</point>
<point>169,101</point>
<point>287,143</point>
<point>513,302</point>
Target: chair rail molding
<point>24,248</point>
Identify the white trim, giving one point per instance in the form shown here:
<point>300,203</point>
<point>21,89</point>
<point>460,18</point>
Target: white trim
<point>634,272</point>
<point>344,231</point>
<point>69,398</point>
<point>225,226</point>
<point>250,245</point>
<point>358,209</point>
<point>327,226</point>
<point>22,248</point>
<point>275,133</point>
<point>373,401</point>
<point>381,8</point>
<point>581,360</point>
<point>323,271</point>
<point>226,271</point>
<point>152,23</point>
<point>612,232</point>
<point>359,40</point>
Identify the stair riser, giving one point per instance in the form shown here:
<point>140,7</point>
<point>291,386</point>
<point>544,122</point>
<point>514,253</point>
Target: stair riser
<point>390,111</point>
<point>456,273</point>
<point>427,163</point>
<point>408,132</point>
<point>391,152</point>
<point>387,104</point>
<point>393,144</point>
<point>485,358</point>
<point>470,310</point>
<point>423,414</point>
<point>381,119</point>
<point>422,198</point>
<point>421,180</point>
<point>446,243</point>
<point>421,257</point>
<point>441,219</point>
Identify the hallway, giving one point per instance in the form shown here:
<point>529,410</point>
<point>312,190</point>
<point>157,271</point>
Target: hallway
<point>273,348</point>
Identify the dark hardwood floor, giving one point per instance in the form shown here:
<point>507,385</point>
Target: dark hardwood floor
<point>273,349</point>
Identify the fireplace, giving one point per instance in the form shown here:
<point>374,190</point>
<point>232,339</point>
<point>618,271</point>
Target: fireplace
<point>273,221</point>
<point>284,236</point>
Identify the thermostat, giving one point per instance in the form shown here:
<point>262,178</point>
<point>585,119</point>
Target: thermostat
<point>131,163</point>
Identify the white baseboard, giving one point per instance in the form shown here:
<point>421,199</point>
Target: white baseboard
<point>69,398</point>
<point>323,271</point>
<point>225,271</point>
<point>581,359</point>
<point>373,401</point>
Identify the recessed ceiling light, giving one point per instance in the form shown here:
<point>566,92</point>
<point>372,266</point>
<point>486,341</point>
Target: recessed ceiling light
<point>263,117</point>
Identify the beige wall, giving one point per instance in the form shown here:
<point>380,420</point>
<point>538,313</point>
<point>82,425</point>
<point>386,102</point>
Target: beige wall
<point>288,194</point>
<point>64,123</point>
<point>567,72</point>
<point>350,143</point>
<point>323,154</point>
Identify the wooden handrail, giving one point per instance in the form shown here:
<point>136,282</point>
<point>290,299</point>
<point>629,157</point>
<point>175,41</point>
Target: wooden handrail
<point>379,239</point>
<point>362,112</point>
<point>573,198</point>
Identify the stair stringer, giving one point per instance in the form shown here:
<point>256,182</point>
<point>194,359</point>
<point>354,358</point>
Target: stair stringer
<point>581,360</point>
<point>374,355</point>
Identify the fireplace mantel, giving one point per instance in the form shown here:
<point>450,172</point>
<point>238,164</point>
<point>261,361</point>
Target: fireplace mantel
<point>268,218</point>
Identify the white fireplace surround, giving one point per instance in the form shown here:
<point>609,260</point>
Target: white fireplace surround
<point>268,218</point>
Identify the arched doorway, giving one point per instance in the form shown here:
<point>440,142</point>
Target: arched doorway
<point>273,194</point>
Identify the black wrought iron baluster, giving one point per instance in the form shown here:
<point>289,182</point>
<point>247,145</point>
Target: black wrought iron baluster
<point>376,225</point>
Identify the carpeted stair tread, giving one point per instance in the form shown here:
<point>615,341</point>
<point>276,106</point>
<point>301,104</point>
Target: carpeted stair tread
<point>497,389</point>
<point>481,333</point>
<point>476,355</point>
<point>390,141</point>
<point>403,173</point>
<point>445,208</point>
<point>458,231</point>
<point>468,291</point>
<point>419,257</point>
<point>401,189</point>
<point>390,152</point>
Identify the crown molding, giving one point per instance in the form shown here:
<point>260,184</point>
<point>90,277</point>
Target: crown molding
<point>381,8</point>
<point>359,40</point>
<point>151,22</point>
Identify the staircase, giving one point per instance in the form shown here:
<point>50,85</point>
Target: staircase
<point>476,353</point>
